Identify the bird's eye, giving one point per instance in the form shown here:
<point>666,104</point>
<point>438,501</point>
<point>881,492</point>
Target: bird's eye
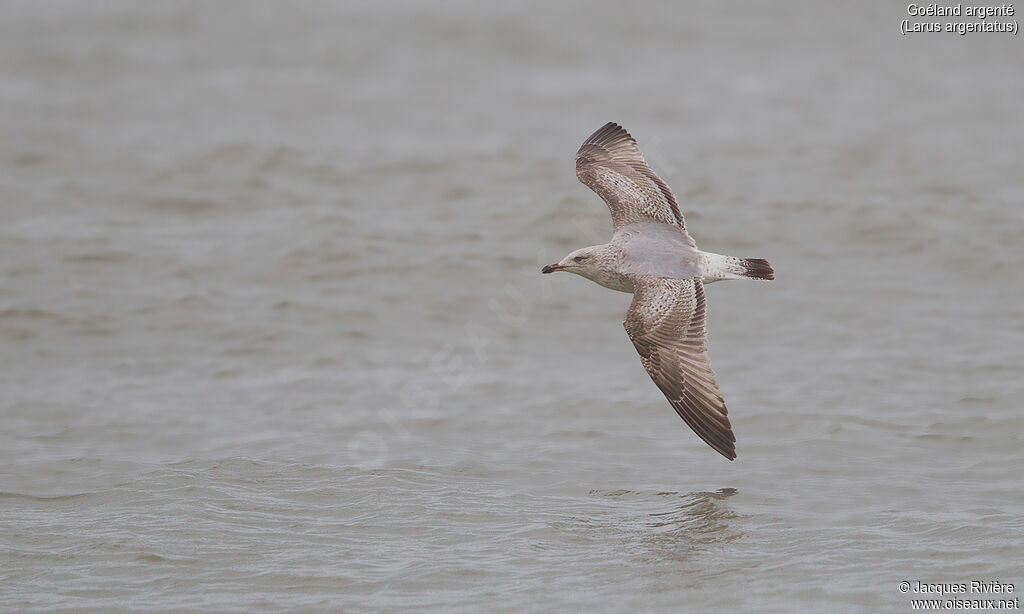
<point>580,258</point>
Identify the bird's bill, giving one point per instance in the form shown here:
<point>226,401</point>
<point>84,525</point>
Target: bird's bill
<point>551,268</point>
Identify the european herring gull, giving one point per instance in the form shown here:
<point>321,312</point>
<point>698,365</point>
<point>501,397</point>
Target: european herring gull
<point>652,256</point>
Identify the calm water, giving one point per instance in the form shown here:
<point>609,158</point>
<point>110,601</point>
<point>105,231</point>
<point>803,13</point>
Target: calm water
<point>273,334</point>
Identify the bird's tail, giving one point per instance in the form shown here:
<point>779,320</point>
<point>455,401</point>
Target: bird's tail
<point>756,268</point>
<point>716,266</point>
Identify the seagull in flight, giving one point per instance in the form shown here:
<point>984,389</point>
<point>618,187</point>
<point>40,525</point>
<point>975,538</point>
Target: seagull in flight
<point>652,256</point>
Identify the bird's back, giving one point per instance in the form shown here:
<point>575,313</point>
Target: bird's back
<point>660,250</point>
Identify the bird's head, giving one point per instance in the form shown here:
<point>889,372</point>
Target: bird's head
<point>581,262</point>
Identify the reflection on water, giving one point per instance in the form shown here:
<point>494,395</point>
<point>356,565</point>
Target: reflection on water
<point>673,522</point>
<point>702,515</point>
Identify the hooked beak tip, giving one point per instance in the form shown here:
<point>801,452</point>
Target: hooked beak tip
<point>551,268</point>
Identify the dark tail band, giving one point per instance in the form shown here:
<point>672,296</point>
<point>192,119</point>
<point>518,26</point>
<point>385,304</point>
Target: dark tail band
<point>758,268</point>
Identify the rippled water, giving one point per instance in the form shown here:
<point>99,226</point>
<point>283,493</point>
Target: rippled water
<point>273,334</point>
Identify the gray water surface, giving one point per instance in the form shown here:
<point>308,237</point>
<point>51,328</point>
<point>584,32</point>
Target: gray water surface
<point>273,334</point>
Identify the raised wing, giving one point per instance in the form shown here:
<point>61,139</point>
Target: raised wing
<point>666,324</point>
<point>610,164</point>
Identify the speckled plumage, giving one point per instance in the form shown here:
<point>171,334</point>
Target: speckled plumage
<point>652,255</point>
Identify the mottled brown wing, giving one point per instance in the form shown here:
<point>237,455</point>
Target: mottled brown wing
<point>610,163</point>
<point>666,324</point>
